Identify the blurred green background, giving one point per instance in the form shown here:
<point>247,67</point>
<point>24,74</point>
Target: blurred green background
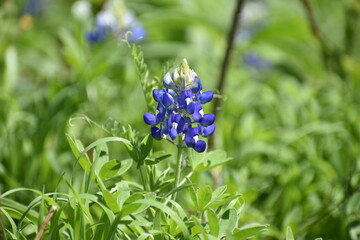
<point>291,104</point>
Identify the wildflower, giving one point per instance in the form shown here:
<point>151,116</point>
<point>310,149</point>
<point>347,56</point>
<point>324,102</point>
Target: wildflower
<point>253,19</point>
<point>117,19</point>
<point>252,59</point>
<point>31,10</point>
<point>179,109</point>
<point>34,7</point>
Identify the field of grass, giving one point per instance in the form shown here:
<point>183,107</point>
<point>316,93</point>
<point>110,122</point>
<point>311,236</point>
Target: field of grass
<point>76,157</point>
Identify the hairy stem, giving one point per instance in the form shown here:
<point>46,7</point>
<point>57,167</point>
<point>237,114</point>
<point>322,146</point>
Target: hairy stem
<point>178,166</point>
<point>225,62</point>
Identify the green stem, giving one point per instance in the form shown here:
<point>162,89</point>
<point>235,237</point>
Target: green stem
<point>142,177</point>
<point>178,166</point>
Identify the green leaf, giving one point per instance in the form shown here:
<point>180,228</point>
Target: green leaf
<point>218,192</point>
<point>110,201</point>
<point>211,160</point>
<point>129,206</point>
<point>179,209</point>
<point>110,169</point>
<point>204,195</point>
<point>247,232</point>
<point>353,205</point>
<point>228,222</point>
<point>226,198</point>
<point>198,228</point>
<point>168,211</point>
<point>213,222</point>
<point>146,146</point>
<point>77,150</point>
<point>289,234</point>
<point>125,166</point>
<point>145,236</point>
<point>100,157</point>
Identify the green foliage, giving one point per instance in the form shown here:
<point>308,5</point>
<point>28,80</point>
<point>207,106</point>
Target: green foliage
<point>287,135</point>
<point>107,209</point>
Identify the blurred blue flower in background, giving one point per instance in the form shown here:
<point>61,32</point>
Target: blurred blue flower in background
<point>179,111</point>
<point>252,59</point>
<point>117,19</point>
<point>253,20</point>
<point>34,7</point>
<point>30,10</point>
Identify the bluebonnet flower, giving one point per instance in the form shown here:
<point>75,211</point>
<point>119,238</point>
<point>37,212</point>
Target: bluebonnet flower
<point>117,19</point>
<point>31,9</point>
<point>252,59</point>
<point>179,110</point>
<point>253,19</point>
<point>34,7</point>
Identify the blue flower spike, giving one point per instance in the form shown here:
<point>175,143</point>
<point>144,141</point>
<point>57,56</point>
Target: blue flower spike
<point>180,109</point>
<point>117,19</point>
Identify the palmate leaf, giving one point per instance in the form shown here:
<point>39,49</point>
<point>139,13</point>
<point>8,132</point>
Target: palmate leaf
<point>110,201</point>
<point>109,169</point>
<point>198,229</point>
<point>180,223</point>
<point>204,198</point>
<point>228,222</point>
<point>213,222</point>
<point>204,195</point>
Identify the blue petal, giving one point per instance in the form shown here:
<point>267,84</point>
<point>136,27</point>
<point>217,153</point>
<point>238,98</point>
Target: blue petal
<point>200,146</point>
<point>160,117</point>
<point>161,113</point>
<point>173,133</point>
<point>150,118</point>
<point>158,95</point>
<point>190,142</point>
<point>196,85</point>
<point>190,108</point>
<point>207,131</point>
<point>169,121</point>
<point>167,100</point>
<point>176,118</point>
<point>196,115</point>
<point>207,119</point>
<point>181,125</point>
<point>96,35</point>
<point>172,92</point>
<point>156,133</point>
<point>181,100</point>
<point>206,97</point>
<point>138,32</point>
<point>187,93</point>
